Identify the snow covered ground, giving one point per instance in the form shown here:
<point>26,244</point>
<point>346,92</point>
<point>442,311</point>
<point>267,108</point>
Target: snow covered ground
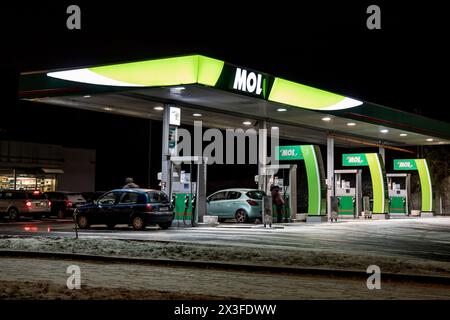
<point>46,279</point>
<point>411,246</point>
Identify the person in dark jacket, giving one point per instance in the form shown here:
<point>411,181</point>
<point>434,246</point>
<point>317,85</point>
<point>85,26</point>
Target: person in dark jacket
<point>129,184</point>
<point>278,201</point>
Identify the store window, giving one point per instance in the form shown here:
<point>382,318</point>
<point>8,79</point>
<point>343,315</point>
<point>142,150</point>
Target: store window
<point>6,179</point>
<point>46,183</point>
<point>26,181</point>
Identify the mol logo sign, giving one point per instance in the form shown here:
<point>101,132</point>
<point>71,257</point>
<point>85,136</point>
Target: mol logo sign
<point>405,164</point>
<point>248,81</point>
<point>356,159</point>
<point>289,153</point>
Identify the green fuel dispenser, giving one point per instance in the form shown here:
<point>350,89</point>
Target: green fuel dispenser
<point>349,192</point>
<point>399,193</point>
<point>188,197</point>
<point>285,177</point>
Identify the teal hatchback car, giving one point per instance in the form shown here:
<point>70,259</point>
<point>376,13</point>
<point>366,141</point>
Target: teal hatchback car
<point>244,205</point>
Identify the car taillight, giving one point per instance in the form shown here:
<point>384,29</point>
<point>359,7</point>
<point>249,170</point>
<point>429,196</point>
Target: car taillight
<point>28,204</point>
<point>149,207</point>
<point>68,203</point>
<point>49,203</point>
<point>252,202</point>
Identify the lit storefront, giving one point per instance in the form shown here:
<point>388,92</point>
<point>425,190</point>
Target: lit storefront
<point>29,179</point>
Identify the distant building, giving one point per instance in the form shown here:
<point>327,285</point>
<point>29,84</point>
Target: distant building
<point>46,167</point>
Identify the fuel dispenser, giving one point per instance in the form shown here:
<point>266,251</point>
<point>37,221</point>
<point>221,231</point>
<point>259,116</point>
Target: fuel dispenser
<point>399,193</point>
<point>348,190</point>
<point>285,177</point>
<point>188,197</point>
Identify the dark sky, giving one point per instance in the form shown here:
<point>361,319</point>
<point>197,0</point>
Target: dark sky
<point>404,65</point>
<point>329,46</point>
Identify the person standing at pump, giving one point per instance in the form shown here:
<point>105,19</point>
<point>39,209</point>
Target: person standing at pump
<point>278,201</point>
<point>129,184</point>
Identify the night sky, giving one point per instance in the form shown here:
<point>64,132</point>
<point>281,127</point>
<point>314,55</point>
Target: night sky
<point>403,65</point>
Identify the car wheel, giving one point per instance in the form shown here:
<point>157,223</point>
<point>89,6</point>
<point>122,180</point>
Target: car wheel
<point>241,216</point>
<point>110,225</point>
<point>138,223</point>
<point>60,214</point>
<point>13,214</point>
<point>83,222</point>
<point>165,225</point>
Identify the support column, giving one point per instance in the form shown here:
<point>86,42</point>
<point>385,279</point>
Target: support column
<point>293,197</point>
<point>262,177</point>
<point>382,153</point>
<point>149,177</point>
<point>165,155</point>
<point>330,174</point>
<point>201,191</point>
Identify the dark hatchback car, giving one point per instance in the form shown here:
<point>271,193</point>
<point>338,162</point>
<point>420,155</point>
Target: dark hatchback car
<point>135,207</point>
<point>64,203</point>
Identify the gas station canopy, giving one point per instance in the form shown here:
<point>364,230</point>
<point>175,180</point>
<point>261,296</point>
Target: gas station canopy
<point>206,88</point>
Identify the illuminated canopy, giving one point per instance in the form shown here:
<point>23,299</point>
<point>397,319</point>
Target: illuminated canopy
<point>197,69</point>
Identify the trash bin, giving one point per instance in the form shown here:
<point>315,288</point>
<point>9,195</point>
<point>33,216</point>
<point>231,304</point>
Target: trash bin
<point>334,208</point>
<point>266,215</point>
<point>367,210</point>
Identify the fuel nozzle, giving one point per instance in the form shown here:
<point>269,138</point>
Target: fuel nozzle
<point>186,201</point>
<point>193,201</point>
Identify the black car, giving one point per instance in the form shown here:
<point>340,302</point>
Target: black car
<point>92,196</point>
<point>64,203</point>
<point>135,207</point>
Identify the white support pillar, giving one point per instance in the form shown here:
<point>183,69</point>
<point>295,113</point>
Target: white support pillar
<point>330,174</point>
<point>382,153</point>
<point>262,177</point>
<point>166,178</point>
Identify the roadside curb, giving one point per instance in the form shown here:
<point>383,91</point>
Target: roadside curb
<point>397,277</point>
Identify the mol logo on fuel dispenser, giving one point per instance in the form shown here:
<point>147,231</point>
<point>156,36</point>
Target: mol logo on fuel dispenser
<point>288,153</point>
<point>405,164</point>
<point>355,159</point>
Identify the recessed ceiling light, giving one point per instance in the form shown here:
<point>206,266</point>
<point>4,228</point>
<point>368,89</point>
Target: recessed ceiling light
<point>197,114</point>
<point>246,123</point>
<point>384,130</point>
<point>177,89</point>
<point>430,140</point>
<point>326,119</point>
<point>159,108</point>
<point>281,109</point>
<point>403,134</point>
<point>351,124</point>
<point>108,108</point>
<point>87,96</point>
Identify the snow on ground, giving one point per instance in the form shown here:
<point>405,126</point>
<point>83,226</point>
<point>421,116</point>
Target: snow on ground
<point>265,255</point>
<point>46,278</point>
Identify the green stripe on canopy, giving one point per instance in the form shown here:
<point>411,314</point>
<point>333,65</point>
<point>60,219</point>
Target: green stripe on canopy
<point>425,184</point>
<point>299,95</point>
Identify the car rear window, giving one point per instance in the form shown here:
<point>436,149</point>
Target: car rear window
<point>36,195</point>
<point>256,194</point>
<point>75,197</point>
<point>155,196</point>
